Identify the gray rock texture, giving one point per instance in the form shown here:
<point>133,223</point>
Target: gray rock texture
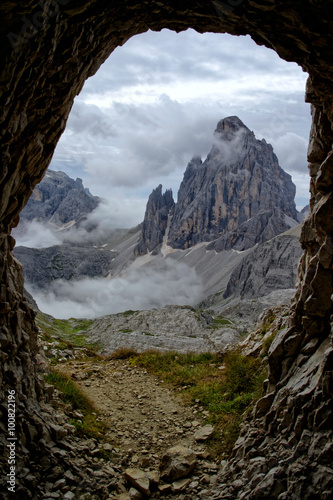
<point>43,67</point>
<point>44,265</point>
<point>58,200</point>
<point>239,192</point>
<point>260,228</point>
<point>269,267</point>
<point>238,197</point>
<point>154,226</point>
<point>171,328</point>
<point>177,462</point>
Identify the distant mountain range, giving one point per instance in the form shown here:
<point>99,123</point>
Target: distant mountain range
<point>234,222</point>
<point>59,201</point>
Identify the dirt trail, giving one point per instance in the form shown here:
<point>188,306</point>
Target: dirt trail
<point>144,417</point>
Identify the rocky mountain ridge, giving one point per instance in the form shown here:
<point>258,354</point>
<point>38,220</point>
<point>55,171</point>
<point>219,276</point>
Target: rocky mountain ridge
<point>238,197</point>
<point>171,328</point>
<point>67,261</point>
<point>59,200</point>
<point>285,450</point>
<point>155,222</point>
<point>268,267</point>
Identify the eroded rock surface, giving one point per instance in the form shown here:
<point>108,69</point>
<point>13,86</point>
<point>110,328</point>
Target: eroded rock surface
<point>67,261</point>
<point>59,200</point>
<point>170,328</point>
<point>240,180</point>
<point>159,207</point>
<point>268,267</point>
<point>237,198</point>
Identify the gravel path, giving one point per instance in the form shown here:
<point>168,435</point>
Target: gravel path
<point>145,419</point>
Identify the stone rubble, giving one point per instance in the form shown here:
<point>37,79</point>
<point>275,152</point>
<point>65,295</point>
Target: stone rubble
<point>204,433</point>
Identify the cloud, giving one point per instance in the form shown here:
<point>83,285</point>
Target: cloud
<point>291,149</point>
<point>155,103</point>
<point>118,213</point>
<point>227,152</point>
<point>35,235</point>
<point>167,282</point>
<point>149,143</point>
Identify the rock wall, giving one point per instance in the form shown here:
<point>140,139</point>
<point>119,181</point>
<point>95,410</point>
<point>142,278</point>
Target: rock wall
<point>154,226</point>
<point>269,267</point>
<point>59,200</point>
<point>42,266</point>
<point>239,194</point>
<point>237,198</point>
<point>47,51</point>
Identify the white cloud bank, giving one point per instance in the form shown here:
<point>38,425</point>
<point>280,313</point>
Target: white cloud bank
<point>168,282</point>
<point>97,229</point>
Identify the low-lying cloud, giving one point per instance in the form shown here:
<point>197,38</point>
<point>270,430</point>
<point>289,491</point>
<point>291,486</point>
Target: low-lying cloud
<point>98,228</point>
<point>166,282</point>
<point>34,234</point>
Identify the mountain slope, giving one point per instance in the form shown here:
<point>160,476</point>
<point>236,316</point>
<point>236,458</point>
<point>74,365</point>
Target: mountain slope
<point>223,228</point>
<point>42,266</point>
<point>155,221</point>
<point>270,266</point>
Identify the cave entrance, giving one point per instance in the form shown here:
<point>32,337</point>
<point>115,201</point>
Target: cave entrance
<point>44,62</point>
<point>139,126</point>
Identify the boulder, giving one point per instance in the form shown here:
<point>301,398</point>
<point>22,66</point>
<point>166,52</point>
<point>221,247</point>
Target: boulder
<point>139,479</point>
<point>177,462</point>
<point>204,433</point>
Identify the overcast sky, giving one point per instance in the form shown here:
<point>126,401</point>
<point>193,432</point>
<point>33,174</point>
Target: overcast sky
<point>155,103</point>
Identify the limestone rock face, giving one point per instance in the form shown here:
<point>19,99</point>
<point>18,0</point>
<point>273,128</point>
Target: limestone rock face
<point>240,180</point>
<point>238,197</point>
<point>177,462</point>
<point>154,226</point>
<point>257,230</point>
<point>178,328</point>
<point>58,200</point>
<point>267,268</point>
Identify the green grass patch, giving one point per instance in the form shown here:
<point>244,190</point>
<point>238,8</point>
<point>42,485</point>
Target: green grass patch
<point>87,425</point>
<point>128,313</point>
<point>225,393</point>
<point>126,330</point>
<point>219,322</point>
<point>122,353</point>
<point>267,342</point>
<point>67,333</point>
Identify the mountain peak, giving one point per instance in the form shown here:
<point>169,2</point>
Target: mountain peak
<point>229,127</point>
<point>154,226</point>
<point>237,197</point>
<point>58,199</point>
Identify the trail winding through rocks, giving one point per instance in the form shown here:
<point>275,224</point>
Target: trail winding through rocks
<point>144,419</point>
